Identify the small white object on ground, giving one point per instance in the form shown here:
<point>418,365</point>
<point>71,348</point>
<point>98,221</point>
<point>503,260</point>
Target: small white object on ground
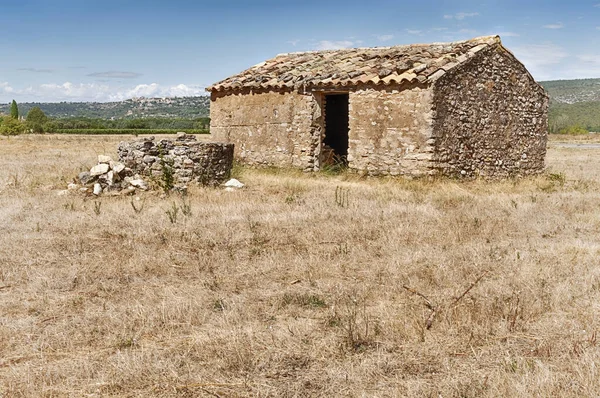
<point>97,189</point>
<point>233,183</point>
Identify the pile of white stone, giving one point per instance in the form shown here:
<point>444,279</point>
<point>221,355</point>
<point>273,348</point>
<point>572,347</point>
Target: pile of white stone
<point>108,177</point>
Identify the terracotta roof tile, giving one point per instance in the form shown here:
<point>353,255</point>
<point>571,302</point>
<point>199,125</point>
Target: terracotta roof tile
<point>379,65</point>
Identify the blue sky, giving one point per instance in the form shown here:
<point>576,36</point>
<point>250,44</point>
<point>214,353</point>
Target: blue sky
<point>92,50</point>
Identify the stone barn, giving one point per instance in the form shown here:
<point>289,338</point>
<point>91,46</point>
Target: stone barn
<point>466,108</point>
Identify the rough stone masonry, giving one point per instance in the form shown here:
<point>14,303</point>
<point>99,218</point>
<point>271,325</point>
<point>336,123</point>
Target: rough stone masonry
<point>185,159</point>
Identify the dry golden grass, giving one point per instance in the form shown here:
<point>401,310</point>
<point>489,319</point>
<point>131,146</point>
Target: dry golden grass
<point>410,288</point>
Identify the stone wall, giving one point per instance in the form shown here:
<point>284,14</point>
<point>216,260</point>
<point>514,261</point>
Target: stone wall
<point>268,128</point>
<point>490,118</point>
<point>390,130</point>
<point>188,160</point>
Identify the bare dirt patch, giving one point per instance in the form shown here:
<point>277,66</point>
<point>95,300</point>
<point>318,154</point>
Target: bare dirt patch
<point>298,284</point>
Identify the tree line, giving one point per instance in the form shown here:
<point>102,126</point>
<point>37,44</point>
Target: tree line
<point>37,122</point>
<point>577,118</point>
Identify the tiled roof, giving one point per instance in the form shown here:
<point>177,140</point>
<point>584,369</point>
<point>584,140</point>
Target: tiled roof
<point>348,67</point>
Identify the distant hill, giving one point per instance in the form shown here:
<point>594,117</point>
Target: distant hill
<point>136,108</point>
<point>573,91</point>
<point>573,103</point>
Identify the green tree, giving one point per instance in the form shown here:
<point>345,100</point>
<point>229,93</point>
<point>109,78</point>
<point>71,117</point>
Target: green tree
<point>36,119</point>
<point>14,110</point>
<point>11,126</point>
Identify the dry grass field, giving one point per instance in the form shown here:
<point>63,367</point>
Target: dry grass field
<point>427,288</point>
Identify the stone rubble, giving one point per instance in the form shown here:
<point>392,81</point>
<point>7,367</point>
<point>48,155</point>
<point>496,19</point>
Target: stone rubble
<point>108,177</point>
<point>166,163</point>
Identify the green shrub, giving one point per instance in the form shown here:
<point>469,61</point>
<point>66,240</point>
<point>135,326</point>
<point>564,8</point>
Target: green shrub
<point>10,126</point>
<point>573,130</point>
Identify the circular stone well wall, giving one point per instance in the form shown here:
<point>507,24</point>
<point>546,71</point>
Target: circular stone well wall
<point>185,159</point>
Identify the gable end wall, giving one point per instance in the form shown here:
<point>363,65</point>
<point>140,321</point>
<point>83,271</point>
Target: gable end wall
<point>491,118</point>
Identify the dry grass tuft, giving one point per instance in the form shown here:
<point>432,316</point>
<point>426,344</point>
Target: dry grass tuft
<point>299,285</point>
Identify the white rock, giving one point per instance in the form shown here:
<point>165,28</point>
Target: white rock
<point>99,169</point>
<point>118,167</point>
<point>72,186</point>
<point>233,183</point>
<point>63,192</point>
<point>230,189</point>
<point>104,159</point>
<point>139,183</point>
<point>97,189</point>
<point>110,177</point>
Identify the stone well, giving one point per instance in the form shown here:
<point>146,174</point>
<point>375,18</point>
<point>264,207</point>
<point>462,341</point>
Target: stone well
<point>185,159</point>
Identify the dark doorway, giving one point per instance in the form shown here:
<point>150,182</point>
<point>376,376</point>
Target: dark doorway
<point>335,143</point>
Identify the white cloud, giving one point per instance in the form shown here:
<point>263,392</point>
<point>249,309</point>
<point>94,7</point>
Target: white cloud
<point>597,5</point>
<point>461,15</point>
<point>541,59</point>
<point>414,31</point>
<point>550,62</point>
<point>6,88</point>
<point>597,27</point>
<point>69,92</point>
<point>554,26</point>
<point>587,66</point>
<point>334,45</point>
<point>385,37</point>
<point>53,92</point>
<point>142,90</point>
<point>293,42</point>
<point>156,90</point>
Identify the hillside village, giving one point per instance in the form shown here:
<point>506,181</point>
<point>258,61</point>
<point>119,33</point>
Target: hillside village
<point>135,108</point>
<point>573,91</point>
